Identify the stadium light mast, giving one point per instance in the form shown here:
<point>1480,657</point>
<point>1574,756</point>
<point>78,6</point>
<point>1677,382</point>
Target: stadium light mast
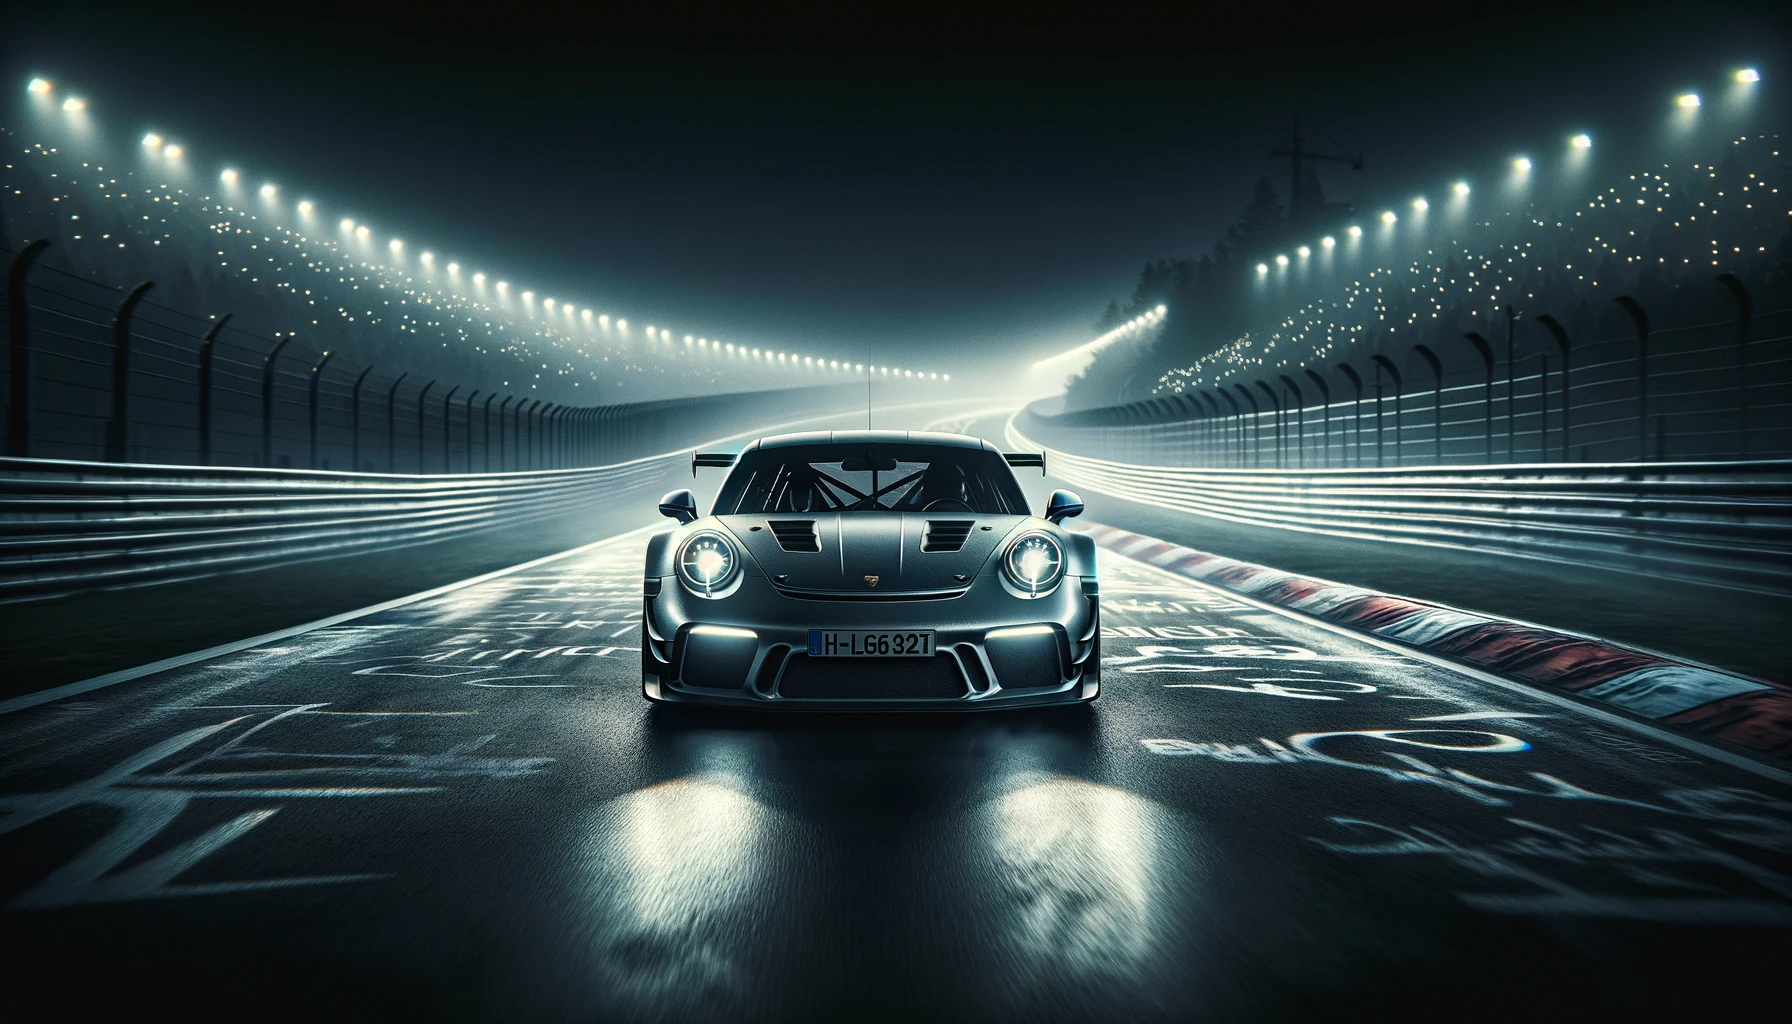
<point>1296,154</point>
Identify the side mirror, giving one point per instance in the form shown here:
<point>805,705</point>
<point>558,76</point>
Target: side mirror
<point>1063,505</point>
<point>682,506</point>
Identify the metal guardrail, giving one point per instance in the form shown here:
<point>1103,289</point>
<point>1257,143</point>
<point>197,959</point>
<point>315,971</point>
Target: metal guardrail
<point>1722,522</point>
<point>74,526</point>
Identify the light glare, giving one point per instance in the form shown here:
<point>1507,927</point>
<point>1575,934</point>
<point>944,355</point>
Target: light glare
<point>73,105</point>
<point>38,87</point>
<point>1748,75</point>
<point>1581,142</point>
<point>1522,164</point>
<point>152,140</point>
<point>1462,188</point>
<point>1689,100</point>
<point>1388,217</point>
<point>227,176</point>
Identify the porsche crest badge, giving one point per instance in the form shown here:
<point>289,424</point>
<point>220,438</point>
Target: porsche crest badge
<point>871,581</point>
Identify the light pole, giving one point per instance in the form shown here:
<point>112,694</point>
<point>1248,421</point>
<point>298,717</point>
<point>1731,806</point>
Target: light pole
<point>1486,351</point>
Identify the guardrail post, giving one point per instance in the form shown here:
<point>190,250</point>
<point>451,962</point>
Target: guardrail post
<point>354,421</point>
<point>1437,402</point>
<point>503,453</point>
<point>311,401</point>
<point>1486,351</point>
<point>1745,308</point>
<point>1641,319</point>
<point>1356,408</point>
<point>421,395</point>
<point>1325,421</point>
<point>1300,425</point>
<point>447,429</point>
<point>392,423</point>
<point>118,430</point>
<point>1555,329</point>
<point>267,400</point>
<point>1256,427</point>
<point>206,349</point>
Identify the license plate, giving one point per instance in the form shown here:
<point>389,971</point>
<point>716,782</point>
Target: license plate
<point>832,643</point>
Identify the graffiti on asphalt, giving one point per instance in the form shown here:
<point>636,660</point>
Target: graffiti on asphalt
<point>231,761</point>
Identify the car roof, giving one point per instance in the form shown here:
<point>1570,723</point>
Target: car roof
<point>846,437</point>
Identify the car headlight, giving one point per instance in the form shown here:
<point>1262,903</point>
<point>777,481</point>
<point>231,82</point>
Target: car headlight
<point>1034,562</point>
<point>707,563</point>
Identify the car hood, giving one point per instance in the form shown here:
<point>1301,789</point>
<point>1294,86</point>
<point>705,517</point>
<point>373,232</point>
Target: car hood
<point>903,552</point>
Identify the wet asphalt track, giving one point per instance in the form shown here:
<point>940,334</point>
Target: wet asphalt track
<point>462,807</point>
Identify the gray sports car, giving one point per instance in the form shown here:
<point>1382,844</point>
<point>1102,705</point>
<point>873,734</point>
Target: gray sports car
<point>871,570</point>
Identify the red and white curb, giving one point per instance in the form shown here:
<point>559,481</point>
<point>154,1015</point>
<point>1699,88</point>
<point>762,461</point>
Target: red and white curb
<point>1738,710</point>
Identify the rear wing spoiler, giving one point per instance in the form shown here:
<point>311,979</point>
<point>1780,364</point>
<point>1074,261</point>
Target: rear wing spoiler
<point>717,460</point>
<point>1026,459</point>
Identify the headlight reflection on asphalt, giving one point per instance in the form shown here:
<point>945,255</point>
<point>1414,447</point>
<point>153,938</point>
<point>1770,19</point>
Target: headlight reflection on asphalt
<point>674,886</point>
<point>1079,863</point>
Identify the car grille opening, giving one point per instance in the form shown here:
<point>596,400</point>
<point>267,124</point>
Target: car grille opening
<point>1025,661</point>
<point>796,534</point>
<point>809,678</point>
<point>944,536</point>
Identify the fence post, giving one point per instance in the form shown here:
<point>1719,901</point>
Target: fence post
<point>267,400</point>
<point>1238,431</point>
<point>1256,427</point>
<point>526,435</point>
<point>1275,405</point>
<point>1356,408</point>
<point>1486,351</point>
<point>447,429</point>
<point>1437,402</point>
<point>206,350</point>
<point>1555,329</point>
<point>1300,425</point>
<point>354,421</point>
<point>421,395</point>
<point>18,410</point>
<point>1384,363</point>
<point>118,431</point>
<point>469,417</point>
<point>317,373</point>
<point>503,452</point>
<point>392,424</point>
<point>1542,407</point>
<point>1745,308</point>
<point>486,447</point>
<point>1641,319</point>
<point>1325,418</point>
<point>1511,388</point>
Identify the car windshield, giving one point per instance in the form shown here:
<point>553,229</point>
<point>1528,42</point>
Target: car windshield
<point>871,478</point>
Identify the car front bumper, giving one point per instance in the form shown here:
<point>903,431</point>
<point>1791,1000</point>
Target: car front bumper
<point>750,649</point>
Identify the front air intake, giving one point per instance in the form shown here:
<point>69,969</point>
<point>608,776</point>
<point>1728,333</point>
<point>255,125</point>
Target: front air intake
<point>797,534</point>
<point>945,536</point>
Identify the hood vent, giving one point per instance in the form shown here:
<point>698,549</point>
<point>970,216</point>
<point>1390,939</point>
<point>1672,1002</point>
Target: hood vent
<point>945,536</point>
<point>797,534</point>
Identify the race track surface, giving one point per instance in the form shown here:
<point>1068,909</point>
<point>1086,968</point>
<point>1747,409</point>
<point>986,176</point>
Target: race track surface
<point>462,808</point>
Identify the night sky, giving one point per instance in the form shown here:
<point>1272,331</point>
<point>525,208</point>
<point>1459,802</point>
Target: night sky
<point>908,184</point>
